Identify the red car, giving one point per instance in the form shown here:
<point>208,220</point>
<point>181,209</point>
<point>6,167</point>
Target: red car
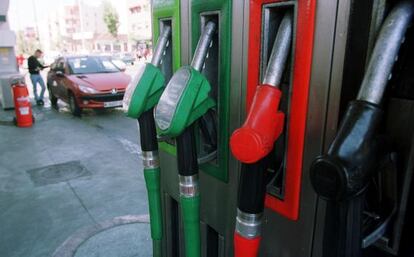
<point>86,82</point>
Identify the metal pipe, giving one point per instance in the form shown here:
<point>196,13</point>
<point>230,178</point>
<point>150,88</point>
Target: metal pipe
<point>203,45</point>
<point>280,52</point>
<point>385,52</point>
<point>162,44</point>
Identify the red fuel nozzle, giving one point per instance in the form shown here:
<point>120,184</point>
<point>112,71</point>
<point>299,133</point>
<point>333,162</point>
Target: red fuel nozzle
<point>254,140</point>
<point>263,125</point>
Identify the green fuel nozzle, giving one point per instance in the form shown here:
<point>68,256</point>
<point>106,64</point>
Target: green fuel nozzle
<point>186,97</point>
<point>185,100</point>
<point>142,95</point>
<point>145,90</point>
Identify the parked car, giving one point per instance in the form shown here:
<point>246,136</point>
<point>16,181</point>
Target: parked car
<point>127,58</point>
<point>86,82</point>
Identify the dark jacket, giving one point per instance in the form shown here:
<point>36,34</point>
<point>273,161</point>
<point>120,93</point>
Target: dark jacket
<point>34,65</point>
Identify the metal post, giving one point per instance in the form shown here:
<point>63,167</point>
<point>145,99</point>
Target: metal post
<point>161,45</point>
<point>280,52</point>
<point>386,53</point>
<point>203,46</point>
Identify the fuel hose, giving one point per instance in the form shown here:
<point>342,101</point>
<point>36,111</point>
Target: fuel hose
<point>149,146</point>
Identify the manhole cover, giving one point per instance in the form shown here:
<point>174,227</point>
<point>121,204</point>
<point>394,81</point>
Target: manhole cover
<point>57,173</point>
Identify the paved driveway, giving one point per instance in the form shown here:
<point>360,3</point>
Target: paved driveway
<point>66,175</point>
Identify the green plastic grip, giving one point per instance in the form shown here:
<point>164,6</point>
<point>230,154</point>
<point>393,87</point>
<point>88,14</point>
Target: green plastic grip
<point>156,248</point>
<point>152,180</point>
<point>190,211</point>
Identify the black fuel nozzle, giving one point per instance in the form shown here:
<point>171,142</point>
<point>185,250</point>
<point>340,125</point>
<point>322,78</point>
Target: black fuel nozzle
<point>341,176</point>
<point>346,169</point>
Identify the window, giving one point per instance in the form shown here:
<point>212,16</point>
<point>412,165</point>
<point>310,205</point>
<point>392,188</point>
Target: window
<point>91,64</point>
<point>117,47</point>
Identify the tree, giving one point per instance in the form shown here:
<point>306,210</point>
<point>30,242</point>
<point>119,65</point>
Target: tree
<point>111,19</point>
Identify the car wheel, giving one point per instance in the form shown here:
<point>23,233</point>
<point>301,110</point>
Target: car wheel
<point>53,99</point>
<point>73,105</point>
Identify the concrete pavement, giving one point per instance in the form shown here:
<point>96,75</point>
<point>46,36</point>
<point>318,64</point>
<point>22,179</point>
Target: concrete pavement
<point>68,174</point>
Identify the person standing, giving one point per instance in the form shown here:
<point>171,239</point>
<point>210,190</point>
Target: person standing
<point>34,69</point>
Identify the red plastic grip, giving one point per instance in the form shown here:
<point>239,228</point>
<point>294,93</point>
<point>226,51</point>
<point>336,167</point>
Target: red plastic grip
<point>263,125</point>
<point>245,247</point>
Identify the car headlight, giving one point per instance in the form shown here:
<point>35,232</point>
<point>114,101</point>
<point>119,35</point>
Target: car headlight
<point>88,90</point>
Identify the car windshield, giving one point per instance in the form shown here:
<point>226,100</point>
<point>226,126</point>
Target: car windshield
<point>91,64</point>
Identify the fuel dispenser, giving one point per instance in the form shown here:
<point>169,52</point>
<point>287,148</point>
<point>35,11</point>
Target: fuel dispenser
<point>184,101</point>
<point>341,176</point>
<point>302,54</point>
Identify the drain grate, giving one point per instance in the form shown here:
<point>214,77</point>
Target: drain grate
<point>57,173</point>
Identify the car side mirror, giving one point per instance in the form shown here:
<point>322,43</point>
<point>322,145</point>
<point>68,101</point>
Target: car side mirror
<point>59,72</point>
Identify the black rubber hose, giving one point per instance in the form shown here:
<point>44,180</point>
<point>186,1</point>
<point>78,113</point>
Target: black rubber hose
<point>148,132</point>
<point>187,152</point>
<point>252,187</point>
<point>343,228</point>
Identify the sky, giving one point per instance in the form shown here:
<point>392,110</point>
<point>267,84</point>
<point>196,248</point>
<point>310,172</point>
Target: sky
<point>21,12</point>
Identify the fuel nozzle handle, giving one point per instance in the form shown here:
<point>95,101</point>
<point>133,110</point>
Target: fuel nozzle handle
<point>264,123</point>
<point>162,44</point>
<point>341,176</point>
<point>149,147</point>
<point>188,163</point>
<point>346,168</point>
<point>186,149</point>
<point>251,143</point>
<point>146,120</point>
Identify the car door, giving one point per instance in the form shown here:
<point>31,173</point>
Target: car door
<point>66,85</point>
<point>58,84</point>
<point>51,78</point>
